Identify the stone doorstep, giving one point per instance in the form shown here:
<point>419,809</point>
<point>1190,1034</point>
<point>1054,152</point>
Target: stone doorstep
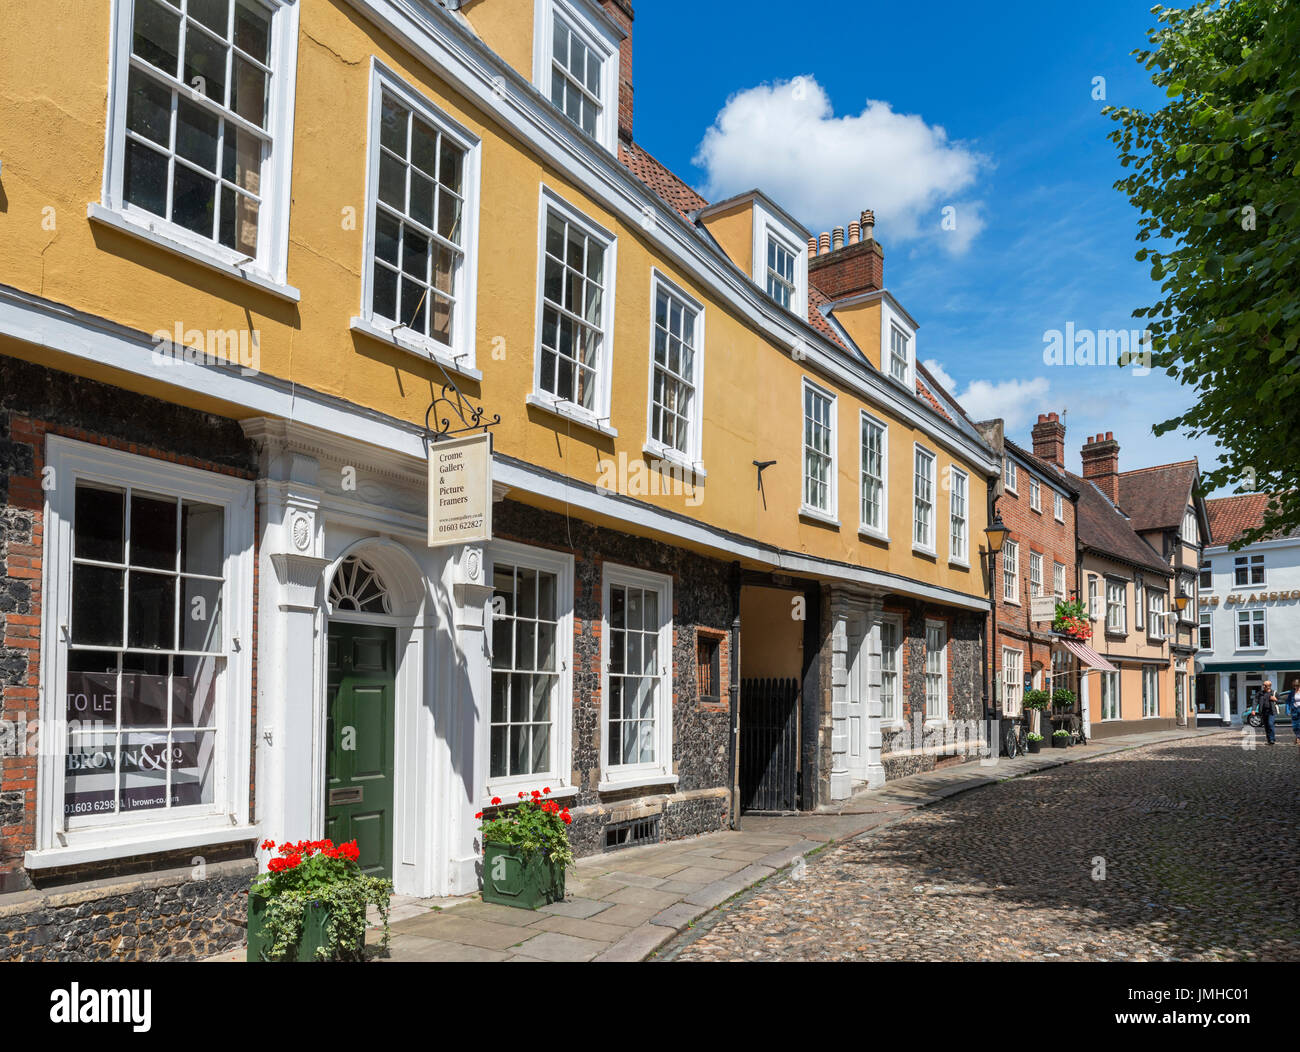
<point>65,895</point>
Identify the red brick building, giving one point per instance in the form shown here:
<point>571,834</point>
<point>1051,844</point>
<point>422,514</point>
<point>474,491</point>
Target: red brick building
<point>1037,503</point>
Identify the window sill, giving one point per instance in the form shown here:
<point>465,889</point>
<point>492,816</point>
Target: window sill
<point>921,549</point>
<point>959,563</point>
<point>416,345</point>
<point>641,780</point>
<point>873,535</point>
<point>1011,602</point>
<point>581,417</point>
<point>137,228</point>
<point>509,794</point>
<point>676,459</point>
<point>817,515</point>
<point>137,840</point>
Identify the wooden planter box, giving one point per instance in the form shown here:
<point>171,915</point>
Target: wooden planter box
<point>512,877</point>
<point>313,937</point>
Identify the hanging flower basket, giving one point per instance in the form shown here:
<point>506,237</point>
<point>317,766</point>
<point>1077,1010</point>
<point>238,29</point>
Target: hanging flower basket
<point>1071,620</point>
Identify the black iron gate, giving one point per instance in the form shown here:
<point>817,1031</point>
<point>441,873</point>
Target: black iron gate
<point>769,744</point>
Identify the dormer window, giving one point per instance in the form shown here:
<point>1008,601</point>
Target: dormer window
<point>898,342</point>
<point>575,65</point>
<point>780,271</point>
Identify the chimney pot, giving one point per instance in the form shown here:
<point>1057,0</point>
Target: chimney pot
<point>812,246</point>
<point>1049,439</point>
<point>1101,464</point>
<point>852,268</point>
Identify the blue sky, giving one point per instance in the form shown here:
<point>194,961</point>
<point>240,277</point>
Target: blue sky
<point>991,114</point>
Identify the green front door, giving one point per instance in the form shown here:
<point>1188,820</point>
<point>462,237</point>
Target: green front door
<point>359,733</point>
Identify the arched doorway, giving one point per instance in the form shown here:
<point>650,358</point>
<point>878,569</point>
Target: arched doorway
<point>361,714</point>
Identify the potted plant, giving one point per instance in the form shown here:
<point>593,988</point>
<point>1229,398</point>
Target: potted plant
<point>1035,741</point>
<point>525,851</point>
<point>310,904</point>
<point>1063,698</point>
<point>1071,619</point>
<point>1060,738</point>
<point>1034,702</point>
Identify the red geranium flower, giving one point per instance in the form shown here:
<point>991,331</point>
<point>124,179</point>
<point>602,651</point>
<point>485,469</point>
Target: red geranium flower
<point>496,799</point>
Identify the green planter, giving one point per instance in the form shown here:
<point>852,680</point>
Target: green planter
<point>513,877</point>
<point>314,935</point>
<point>1060,743</point>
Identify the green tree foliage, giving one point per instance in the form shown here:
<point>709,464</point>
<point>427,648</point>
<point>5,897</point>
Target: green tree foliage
<point>1216,176</point>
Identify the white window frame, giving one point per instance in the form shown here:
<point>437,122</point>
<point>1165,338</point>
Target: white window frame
<point>1248,563</point>
<point>1157,606</point>
<point>227,818</point>
<point>942,653</point>
<point>600,34</point>
<point>660,772</point>
<point>1204,629</point>
<point>894,716</point>
<point>830,513</point>
<point>1111,707</point>
<point>597,419</point>
<point>1011,571</point>
<point>1249,618</point>
<point>561,565</point>
<point>1013,681</point>
<point>1059,589</point>
<point>1036,585</point>
<point>1058,506</point>
<point>928,544</point>
<point>891,317</point>
<point>1150,692</point>
<point>459,355</point>
<point>958,553</point>
<point>767,224</point>
<point>268,270</point>
<point>694,455</point>
<point>880,531</point>
<point>898,334</point>
<point>1010,476</point>
<point>1035,495</point>
<point>1116,605</point>
<point>1190,527</point>
<point>1139,603</point>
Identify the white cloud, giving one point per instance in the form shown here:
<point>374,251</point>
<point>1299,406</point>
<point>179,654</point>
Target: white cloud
<point>785,139</point>
<point>1017,401</point>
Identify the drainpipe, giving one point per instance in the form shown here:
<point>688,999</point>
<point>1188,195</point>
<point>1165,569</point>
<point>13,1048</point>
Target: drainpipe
<point>733,691</point>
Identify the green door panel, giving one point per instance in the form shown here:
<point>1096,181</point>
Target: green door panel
<point>360,733</point>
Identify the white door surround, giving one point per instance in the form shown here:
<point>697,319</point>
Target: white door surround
<point>323,498</point>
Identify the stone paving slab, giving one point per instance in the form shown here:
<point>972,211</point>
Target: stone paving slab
<point>624,906</point>
<point>555,947</point>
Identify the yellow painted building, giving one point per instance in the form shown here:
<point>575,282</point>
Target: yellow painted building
<point>257,259</point>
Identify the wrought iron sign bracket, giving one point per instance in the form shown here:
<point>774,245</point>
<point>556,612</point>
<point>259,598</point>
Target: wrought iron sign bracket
<point>457,408</point>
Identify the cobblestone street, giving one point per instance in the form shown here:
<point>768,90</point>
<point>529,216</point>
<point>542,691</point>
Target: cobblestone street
<point>1199,839</point>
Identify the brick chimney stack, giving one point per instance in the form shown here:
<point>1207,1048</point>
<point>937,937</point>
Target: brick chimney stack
<point>1049,439</point>
<point>621,12</point>
<point>1101,464</point>
<point>843,268</point>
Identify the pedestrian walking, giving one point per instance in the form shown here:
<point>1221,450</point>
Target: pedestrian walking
<point>1292,699</point>
<point>1268,710</point>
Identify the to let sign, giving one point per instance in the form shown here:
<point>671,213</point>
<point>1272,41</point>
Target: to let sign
<point>460,491</point>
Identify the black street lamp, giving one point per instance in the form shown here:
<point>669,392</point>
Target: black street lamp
<point>996,535</point>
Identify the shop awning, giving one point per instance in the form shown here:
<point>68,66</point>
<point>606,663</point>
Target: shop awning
<point>1088,656</point>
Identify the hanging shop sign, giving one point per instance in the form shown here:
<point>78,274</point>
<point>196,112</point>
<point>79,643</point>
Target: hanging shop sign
<point>460,490</point>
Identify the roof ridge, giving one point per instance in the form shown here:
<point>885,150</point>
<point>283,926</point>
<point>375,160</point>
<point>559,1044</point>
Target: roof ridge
<point>1161,467</point>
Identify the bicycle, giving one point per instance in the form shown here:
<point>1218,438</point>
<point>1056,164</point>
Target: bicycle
<point>1014,738</point>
